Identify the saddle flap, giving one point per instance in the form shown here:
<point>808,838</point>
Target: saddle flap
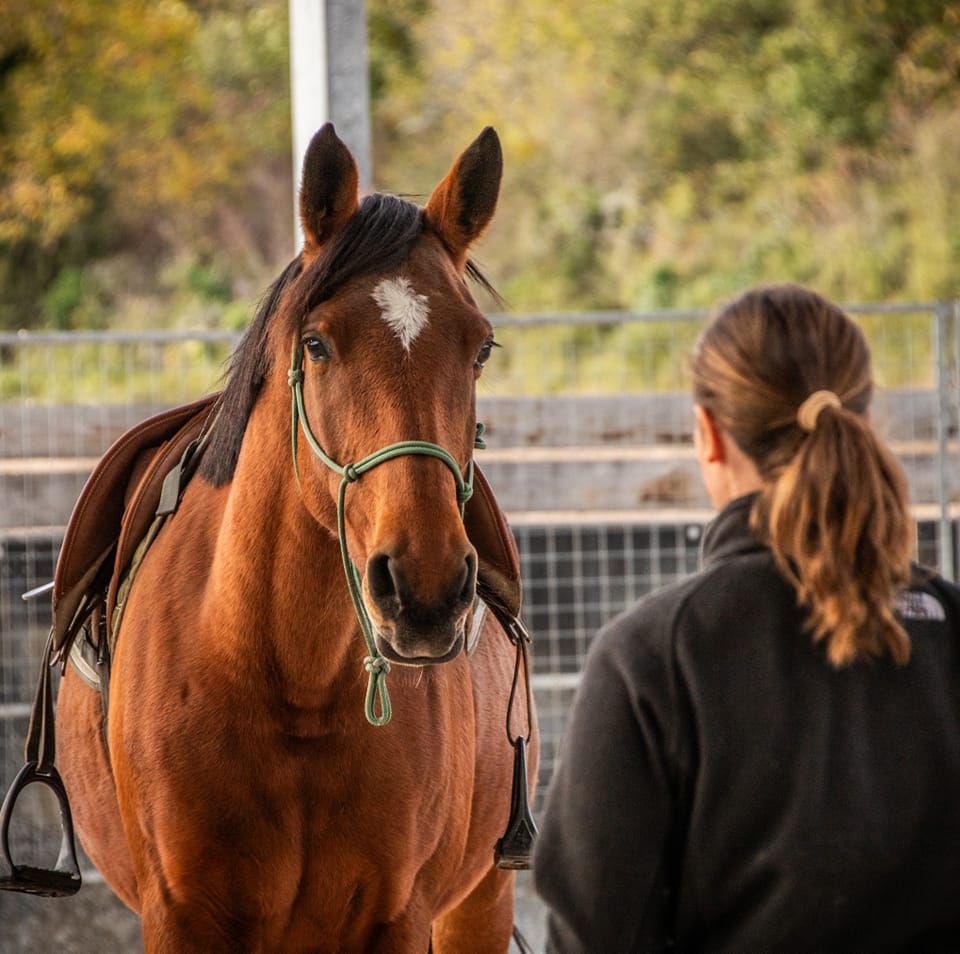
<point>95,523</point>
<point>146,499</point>
<point>498,561</point>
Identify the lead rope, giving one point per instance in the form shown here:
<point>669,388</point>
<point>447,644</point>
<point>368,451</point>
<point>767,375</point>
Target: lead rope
<point>375,663</point>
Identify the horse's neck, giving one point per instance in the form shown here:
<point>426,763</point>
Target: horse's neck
<point>277,582</point>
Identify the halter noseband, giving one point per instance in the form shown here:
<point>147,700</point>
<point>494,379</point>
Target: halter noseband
<point>375,663</point>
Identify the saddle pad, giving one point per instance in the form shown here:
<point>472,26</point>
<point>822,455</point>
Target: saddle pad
<point>95,523</point>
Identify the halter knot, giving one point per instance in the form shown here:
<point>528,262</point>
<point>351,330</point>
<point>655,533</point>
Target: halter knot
<point>478,441</point>
<point>294,377</point>
<point>376,664</point>
<point>464,495</point>
<point>350,473</point>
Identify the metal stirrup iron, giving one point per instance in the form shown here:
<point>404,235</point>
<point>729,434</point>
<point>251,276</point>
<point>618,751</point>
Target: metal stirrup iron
<point>40,752</point>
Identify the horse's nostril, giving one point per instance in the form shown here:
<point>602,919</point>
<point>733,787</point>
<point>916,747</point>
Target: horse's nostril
<point>394,595</point>
<point>468,586</point>
<point>380,580</point>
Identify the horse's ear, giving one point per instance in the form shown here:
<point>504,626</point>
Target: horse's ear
<point>462,206</point>
<point>328,189</point>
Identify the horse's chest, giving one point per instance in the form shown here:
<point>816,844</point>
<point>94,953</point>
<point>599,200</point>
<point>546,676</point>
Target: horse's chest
<point>309,821</point>
<point>354,840</point>
<point>314,796</point>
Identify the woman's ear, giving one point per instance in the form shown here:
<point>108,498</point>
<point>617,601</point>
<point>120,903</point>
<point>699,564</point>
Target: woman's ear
<point>711,445</point>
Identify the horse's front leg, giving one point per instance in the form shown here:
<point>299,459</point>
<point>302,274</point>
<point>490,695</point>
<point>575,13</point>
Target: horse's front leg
<point>409,934</point>
<point>172,927</point>
<point>483,922</point>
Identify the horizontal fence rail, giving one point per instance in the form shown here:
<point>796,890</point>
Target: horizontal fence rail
<point>589,429</point>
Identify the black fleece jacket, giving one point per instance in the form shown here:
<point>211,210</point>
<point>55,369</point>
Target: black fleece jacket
<point>722,788</point>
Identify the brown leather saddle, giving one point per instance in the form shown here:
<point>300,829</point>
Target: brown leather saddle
<point>137,481</point>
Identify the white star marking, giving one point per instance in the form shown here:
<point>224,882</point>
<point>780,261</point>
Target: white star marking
<point>403,309</point>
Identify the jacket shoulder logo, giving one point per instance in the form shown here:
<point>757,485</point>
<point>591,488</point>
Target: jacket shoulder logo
<point>914,604</point>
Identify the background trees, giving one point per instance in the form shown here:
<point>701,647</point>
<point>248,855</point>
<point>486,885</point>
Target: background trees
<point>659,152</point>
<point>144,150</point>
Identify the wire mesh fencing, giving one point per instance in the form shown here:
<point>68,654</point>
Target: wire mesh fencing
<point>589,429</point>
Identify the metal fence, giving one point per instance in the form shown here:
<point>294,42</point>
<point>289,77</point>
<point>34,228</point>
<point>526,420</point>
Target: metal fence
<point>590,451</point>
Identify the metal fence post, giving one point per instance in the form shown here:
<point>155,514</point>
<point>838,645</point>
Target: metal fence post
<point>956,423</point>
<point>942,349</point>
<point>328,81</point>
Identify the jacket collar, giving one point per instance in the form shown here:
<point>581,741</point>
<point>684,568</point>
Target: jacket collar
<point>729,533</point>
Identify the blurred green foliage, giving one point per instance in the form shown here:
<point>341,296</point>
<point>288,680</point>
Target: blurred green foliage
<point>658,152</point>
<point>111,372</point>
<point>134,133</point>
<point>74,300</point>
<point>662,152</point>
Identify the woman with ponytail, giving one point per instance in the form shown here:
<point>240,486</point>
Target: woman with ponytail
<point>766,756</point>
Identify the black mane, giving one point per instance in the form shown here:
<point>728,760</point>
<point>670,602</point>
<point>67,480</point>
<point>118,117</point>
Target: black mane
<point>380,236</point>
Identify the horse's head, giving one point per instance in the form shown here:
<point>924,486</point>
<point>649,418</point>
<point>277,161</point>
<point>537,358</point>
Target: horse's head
<point>387,347</point>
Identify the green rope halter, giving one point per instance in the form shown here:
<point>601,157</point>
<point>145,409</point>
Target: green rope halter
<point>374,663</point>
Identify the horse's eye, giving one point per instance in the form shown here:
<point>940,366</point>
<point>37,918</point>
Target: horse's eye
<point>484,354</point>
<point>316,348</point>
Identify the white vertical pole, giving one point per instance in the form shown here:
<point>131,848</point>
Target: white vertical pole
<point>309,89</point>
<point>955,521</point>
<point>328,81</point>
<point>348,79</point>
<point>941,346</point>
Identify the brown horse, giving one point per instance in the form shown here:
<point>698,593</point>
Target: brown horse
<point>245,804</point>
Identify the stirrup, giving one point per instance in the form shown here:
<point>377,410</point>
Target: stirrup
<point>64,880</point>
<point>515,849</point>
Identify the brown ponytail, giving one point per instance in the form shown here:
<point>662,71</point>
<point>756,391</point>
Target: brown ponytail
<point>833,507</point>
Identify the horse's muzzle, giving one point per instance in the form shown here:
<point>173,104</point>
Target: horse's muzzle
<point>420,619</point>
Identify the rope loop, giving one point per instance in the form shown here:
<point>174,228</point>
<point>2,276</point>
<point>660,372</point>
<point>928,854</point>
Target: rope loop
<point>478,441</point>
<point>378,667</point>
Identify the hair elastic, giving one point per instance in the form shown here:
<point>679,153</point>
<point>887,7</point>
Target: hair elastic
<point>810,409</point>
